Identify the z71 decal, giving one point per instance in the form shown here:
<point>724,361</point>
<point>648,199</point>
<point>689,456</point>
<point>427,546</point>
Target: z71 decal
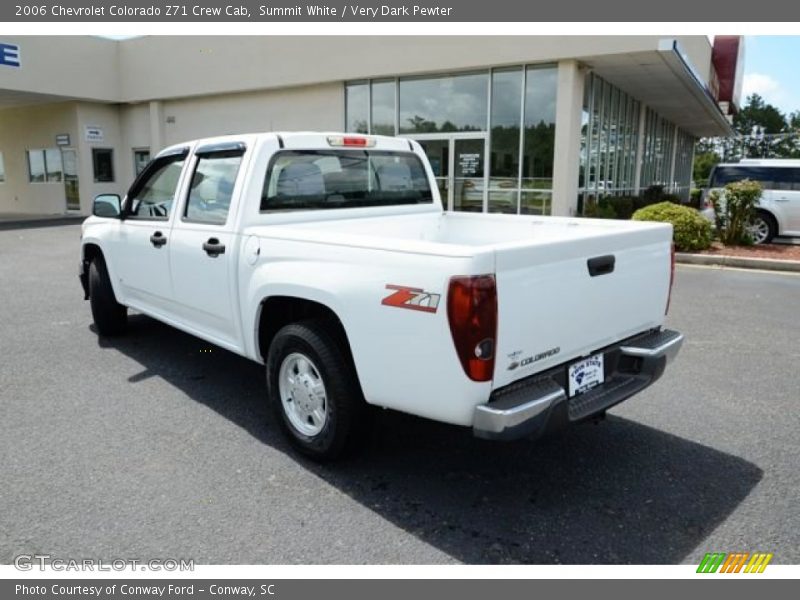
<point>412,298</point>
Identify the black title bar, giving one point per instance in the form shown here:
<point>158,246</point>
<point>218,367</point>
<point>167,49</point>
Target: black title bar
<point>712,11</point>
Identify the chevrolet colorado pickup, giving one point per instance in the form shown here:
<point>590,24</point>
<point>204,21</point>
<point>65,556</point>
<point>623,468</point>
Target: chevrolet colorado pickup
<point>328,258</point>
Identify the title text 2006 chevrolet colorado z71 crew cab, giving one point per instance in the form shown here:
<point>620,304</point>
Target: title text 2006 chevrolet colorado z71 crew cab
<point>328,258</point>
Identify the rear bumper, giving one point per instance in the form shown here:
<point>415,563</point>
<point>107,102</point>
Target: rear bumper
<point>531,406</point>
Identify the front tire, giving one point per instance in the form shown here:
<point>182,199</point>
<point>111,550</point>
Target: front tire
<point>314,391</point>
<point>110,317</point>
<point>764,228</point>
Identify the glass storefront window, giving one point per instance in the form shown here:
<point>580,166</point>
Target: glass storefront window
<point>36,166</point>
<point>383,107</point>
<point>45,166</point>
<point>356,101</point>
<point>540,127</point>
<point>506,114</point>
<point>684,157</point>
<point>52,159</point>
<point>658,152</point>
<point>535,203</point>
<point>503,201</point>
<point>515,105</point>
<point>448,103</point>
<point>609,138</point>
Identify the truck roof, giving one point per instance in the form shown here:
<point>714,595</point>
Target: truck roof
<point>763,162</point>
<point>300,140</point>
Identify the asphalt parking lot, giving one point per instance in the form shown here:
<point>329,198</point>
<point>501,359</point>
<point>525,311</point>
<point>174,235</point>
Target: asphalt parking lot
<point>156,445</point>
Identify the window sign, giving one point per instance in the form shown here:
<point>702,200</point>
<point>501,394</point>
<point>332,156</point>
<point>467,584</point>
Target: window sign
<point>469,164</point>
<point>93,133</point>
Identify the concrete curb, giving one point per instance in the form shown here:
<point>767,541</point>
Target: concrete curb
<point>740,262</point>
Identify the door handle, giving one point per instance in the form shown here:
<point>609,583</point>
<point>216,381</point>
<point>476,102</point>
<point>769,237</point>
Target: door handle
<point>158,239</point>
<point>782,199</point>
<point>213,247</point>
<point>601,265</point>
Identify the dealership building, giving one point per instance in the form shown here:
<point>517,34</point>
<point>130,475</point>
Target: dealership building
<point>516,124</point>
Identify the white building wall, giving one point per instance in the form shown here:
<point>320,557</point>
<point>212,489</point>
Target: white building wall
<point>567,151</point>
<point>135,132</point>
<point>200,65</point>
<point>33,127</point>
<point>105,116</point>
<point>319,107</point>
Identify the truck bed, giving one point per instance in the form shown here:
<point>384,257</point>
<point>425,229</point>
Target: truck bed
<point>551,307</point>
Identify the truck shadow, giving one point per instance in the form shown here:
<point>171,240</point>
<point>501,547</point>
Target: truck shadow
<point>617,492</point>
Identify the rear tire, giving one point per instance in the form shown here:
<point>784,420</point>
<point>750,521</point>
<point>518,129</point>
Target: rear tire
<point>314,391</point>
<point>764,228</point>
<point>110,317</point>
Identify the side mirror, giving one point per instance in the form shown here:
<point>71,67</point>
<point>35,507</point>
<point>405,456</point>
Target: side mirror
<point>107,205</point>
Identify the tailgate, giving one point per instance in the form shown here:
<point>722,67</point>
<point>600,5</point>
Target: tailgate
<point>552,309</point>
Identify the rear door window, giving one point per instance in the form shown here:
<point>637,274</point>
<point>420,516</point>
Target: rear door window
<point>322,179</point>
<point>211,189</point>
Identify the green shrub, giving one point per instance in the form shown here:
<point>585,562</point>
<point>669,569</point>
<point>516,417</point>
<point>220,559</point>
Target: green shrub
<point>674,198</point>
<point>695,197</point>
<point>734,211</point>
<point>652,195</point>
<point>624,206</point>
<point>599,209</point>
<point>690,230</point>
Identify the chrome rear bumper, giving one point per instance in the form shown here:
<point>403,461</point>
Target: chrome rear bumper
<point>527,406</point>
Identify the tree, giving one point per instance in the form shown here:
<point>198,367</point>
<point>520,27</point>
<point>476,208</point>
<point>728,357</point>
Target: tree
<point>703,163</point>
<point>758,114</point>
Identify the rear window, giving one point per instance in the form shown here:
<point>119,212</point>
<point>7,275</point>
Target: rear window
<point>770,178</point>
<point>320,179</point>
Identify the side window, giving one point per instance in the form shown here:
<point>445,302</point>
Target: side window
<point>212,187</point>
<point>153,193</point>
<point>725,175</point>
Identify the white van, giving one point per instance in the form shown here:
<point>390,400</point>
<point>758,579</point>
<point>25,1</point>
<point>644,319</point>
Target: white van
<point>779,207</point>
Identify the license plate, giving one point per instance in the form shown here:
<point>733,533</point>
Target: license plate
<point>585,374</point>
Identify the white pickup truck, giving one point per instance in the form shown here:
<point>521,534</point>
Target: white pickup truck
<point>329,259</point>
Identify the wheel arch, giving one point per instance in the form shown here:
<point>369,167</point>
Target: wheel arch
<point>89,252</point>
<point>276,311</point>
<point>770,214</point>
<point>771,217</point>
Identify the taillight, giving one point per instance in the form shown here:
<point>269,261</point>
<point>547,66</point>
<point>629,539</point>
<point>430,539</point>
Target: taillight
<point>351,140</point>
<point>472,311</point>
<point>671,277</point>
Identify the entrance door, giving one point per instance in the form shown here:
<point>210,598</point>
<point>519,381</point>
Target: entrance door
<point>468,171</point>
<point>69,159</point>
<point>438,153</point>
<point>458,163</point>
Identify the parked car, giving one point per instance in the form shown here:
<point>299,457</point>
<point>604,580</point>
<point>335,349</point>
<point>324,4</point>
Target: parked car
<point>328,259</point>
<point>778,212</point>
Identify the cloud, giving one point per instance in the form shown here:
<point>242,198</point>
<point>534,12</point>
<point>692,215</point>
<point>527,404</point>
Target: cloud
<point>765,86</point>
<point>758,83</point>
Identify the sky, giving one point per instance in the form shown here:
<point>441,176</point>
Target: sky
<point>771,70</point>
